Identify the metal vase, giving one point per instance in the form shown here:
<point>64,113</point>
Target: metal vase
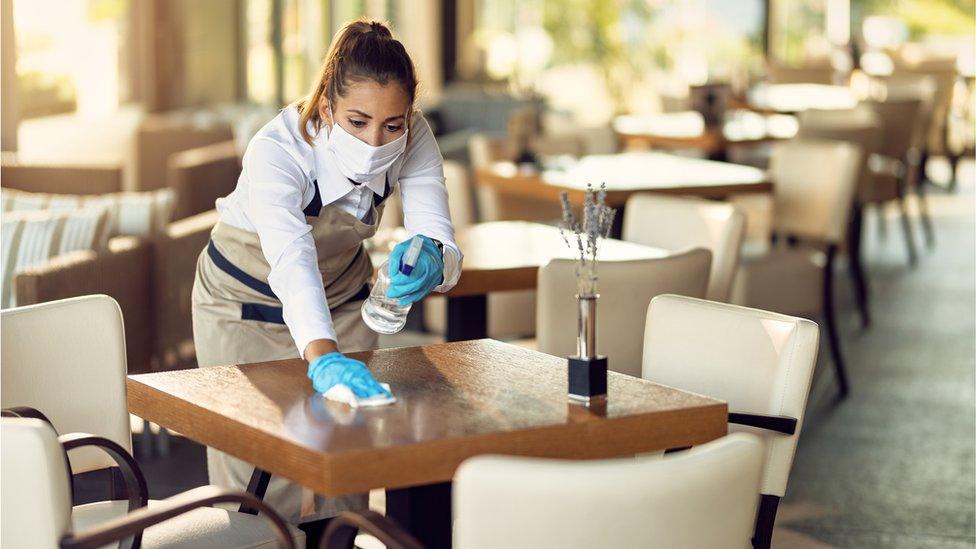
<point>586,326</point>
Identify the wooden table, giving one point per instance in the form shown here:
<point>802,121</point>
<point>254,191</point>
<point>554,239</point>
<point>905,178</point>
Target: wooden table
<point>794,98</point>
<point>455,401</point>
<point>687,130</point>
<point>626,174</point>
<point>506,255</point>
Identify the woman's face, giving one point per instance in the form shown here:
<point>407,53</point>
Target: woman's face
<point>370,111</point>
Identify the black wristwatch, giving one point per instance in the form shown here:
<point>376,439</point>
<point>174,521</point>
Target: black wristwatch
<point>440,245</point>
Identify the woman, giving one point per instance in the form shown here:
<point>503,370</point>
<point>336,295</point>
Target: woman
<point>285,273</point>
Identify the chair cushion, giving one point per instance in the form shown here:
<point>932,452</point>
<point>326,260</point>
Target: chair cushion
<point>783,280</point>
<point>201,528</point>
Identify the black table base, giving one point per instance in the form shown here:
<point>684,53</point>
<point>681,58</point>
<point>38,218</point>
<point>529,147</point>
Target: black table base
<point>467,317</point>
<point>424,511</point>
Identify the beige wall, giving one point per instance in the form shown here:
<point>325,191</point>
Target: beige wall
<point>8,79</point>
<point>209,51</point>
<point>419,28</point>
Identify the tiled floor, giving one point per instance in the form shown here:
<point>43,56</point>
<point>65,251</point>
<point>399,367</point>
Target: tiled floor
<point>893,465</point>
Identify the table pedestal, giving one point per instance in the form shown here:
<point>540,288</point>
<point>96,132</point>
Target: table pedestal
<point>467,317</point>
<point>425,511</point>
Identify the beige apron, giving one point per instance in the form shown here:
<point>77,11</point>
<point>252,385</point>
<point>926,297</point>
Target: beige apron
<point>237,320</point>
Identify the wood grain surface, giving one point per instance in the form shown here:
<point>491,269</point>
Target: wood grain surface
<point>455,400</point>
<point>626,174</point>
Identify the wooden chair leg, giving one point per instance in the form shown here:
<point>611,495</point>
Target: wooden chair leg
<point>830,323</point>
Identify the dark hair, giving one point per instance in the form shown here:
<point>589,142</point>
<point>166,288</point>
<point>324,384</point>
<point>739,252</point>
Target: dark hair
<point>361,50</point>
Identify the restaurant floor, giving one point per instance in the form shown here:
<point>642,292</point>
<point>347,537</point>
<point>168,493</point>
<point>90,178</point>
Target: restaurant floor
<point>893,465</point>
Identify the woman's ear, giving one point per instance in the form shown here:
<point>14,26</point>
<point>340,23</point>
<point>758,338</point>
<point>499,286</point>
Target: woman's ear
<point>325,111</point>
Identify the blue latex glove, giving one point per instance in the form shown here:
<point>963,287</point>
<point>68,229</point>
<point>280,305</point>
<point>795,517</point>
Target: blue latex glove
<point>332,369</point>
<point>427,274</point>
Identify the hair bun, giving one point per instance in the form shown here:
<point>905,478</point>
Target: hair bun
<point>381,29</point>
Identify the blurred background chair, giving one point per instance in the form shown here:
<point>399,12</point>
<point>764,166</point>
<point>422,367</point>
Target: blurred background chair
<point>510,314</point>
<point>626,287</point>
<point>813,196</point>
<point>862,127</point>
<point>680,223</point>
<point>890,168</point>
<point>761,363</point>
<point>67,359</point>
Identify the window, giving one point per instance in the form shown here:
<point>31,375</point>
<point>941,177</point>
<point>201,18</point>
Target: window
<point>55,73</point>
<point>619,55</point>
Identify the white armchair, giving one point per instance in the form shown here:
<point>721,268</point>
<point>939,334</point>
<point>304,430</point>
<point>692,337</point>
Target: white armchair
<point>761,363</point>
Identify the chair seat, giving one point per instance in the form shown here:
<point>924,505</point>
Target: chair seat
<point>783,280</point>
<point>201,528</point>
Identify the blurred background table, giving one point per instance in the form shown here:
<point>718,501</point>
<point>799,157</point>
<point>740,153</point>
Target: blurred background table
<point>687,130</point>
<point>501,256</point>
<point>624,174</point>
<point>794,98</point>
<point>454,401</point>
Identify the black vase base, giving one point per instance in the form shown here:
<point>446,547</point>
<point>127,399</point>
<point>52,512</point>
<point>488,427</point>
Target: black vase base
<point>587,378</point>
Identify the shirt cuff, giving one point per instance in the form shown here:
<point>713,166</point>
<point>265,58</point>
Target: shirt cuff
<point>452,267</point>
<point>307,320</point>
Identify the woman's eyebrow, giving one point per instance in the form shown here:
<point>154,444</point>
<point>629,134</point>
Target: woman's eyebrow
<point>364,115</point>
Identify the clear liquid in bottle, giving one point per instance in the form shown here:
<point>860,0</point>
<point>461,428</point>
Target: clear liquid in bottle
<point>382,314</point>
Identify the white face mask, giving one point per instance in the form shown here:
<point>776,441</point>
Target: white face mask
<point>360,161</point>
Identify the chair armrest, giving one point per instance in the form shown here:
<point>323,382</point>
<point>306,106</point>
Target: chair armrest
<point>342,529</point>
<point>137,521</point>
<point>27,411</point>
<point>781,424</point>
<point>135,483</point>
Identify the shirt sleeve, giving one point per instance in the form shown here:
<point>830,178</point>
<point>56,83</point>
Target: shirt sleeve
<point>274,205</point>
<point>424,196</point>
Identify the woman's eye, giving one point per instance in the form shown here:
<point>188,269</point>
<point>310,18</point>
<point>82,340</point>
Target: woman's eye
<point>357,123</point>
<point>393,129</point>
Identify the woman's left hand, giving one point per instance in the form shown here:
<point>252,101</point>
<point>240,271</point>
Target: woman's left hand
<point>426,275</point>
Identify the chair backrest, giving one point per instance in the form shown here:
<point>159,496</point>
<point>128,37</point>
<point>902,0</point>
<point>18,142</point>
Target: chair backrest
<point>759,362</point>
<point>900,121</point>
<point>484,149</point>
<point>705,497</point>
<point>36,498</point>
<point>67,359</point>
<point>626,287</point>
<point>10,231</point>
<point>680,223</point>
<point>809,74</point>
<point>860,126</point>
<point>459,194</point>
<point>814,184</point>
<point>200,176</point>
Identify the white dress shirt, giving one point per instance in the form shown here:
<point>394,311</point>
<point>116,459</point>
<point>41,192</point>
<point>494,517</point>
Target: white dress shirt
<point>276,185</point>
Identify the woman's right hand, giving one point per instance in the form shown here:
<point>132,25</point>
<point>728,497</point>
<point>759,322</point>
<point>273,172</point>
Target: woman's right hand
<point>334,368</point>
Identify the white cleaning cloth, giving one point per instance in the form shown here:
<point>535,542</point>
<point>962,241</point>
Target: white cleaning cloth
<point>342,393</point>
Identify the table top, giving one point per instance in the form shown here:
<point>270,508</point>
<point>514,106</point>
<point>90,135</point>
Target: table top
<point>626,174</point>
<point>792,98</point>
<point>455,401</point>
<point>507,255</point>
<point>687,129</point>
